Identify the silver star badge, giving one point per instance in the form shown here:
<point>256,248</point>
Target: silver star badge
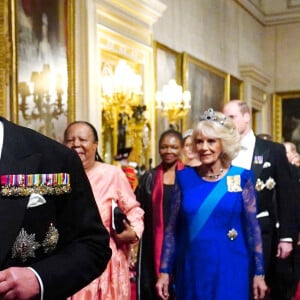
<point>25,246</point>
<point>51,239</point>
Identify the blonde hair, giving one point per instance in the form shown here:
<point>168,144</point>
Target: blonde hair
<point>220,127</point>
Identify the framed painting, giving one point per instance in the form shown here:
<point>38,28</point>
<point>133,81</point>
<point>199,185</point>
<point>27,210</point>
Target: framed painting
<point>286,117</point>
<point>235,88</point>
<point>43,83</point>
<point>207,84</point>
<point>293,3</point>
<point>167,63</point>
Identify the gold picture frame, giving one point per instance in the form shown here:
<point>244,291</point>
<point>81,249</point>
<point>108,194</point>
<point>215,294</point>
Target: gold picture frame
<point>167,65</point>
<point>286,117</point>
<point>236,88</point>
<point>207,84</point>
<point>5,56</point>
<point>42,85</point>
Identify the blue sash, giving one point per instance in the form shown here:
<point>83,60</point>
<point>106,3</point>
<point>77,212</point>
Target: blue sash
<point>211,201</point>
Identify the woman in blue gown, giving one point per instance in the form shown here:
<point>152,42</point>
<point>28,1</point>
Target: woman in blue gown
<point>212,245</point>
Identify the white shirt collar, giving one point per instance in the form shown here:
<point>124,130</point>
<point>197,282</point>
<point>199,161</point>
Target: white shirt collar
<point>244,157</point>
<point>248,140</point>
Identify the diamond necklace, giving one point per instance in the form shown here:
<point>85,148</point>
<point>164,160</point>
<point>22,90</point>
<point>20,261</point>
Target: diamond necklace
<point>214,176</point>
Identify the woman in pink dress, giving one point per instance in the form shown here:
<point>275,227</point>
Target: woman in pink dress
<point>108,183</point>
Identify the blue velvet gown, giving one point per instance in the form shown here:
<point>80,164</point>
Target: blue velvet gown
<point>205,262</point>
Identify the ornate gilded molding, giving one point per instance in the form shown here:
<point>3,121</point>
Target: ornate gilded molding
<point>132,18</point>
<point>4,56</point>
<point>124,31</point>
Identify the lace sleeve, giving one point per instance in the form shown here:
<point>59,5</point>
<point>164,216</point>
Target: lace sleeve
<point>169,243</point>
<point>253,233</point>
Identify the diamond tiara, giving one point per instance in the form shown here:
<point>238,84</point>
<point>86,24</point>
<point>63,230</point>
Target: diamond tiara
<point>210,115</point>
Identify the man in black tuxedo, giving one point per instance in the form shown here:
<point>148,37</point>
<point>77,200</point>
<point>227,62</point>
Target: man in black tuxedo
<point>52,240</point>
<point>293,158</point>
<point>268,161</point>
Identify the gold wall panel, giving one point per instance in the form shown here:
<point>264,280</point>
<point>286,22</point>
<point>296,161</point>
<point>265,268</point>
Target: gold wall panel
<point>4,56</point>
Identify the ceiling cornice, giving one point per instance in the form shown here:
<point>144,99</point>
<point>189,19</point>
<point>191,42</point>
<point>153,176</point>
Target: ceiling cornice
<point>284,18</point>
<point>270,19</point>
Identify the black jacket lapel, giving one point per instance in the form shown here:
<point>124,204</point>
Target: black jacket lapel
<point>16,158</point>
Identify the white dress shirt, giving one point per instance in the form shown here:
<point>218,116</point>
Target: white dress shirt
<point>244,157</point>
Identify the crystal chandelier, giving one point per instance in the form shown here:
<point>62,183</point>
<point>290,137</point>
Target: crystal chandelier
<point>172,102</point>
<point>122,108</point>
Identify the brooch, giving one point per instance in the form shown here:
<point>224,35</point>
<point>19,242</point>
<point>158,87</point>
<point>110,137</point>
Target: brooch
<point>269,184</point>
<point>232,234</point>
<point>27,184</point>
<point>259,186</point>
<point>51,239</point>
<point>24,246</point>
<point>234,183</point>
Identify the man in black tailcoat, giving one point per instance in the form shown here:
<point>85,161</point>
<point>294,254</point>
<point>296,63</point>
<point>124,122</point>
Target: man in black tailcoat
<point>52,240</point>
<point>275,204</point>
